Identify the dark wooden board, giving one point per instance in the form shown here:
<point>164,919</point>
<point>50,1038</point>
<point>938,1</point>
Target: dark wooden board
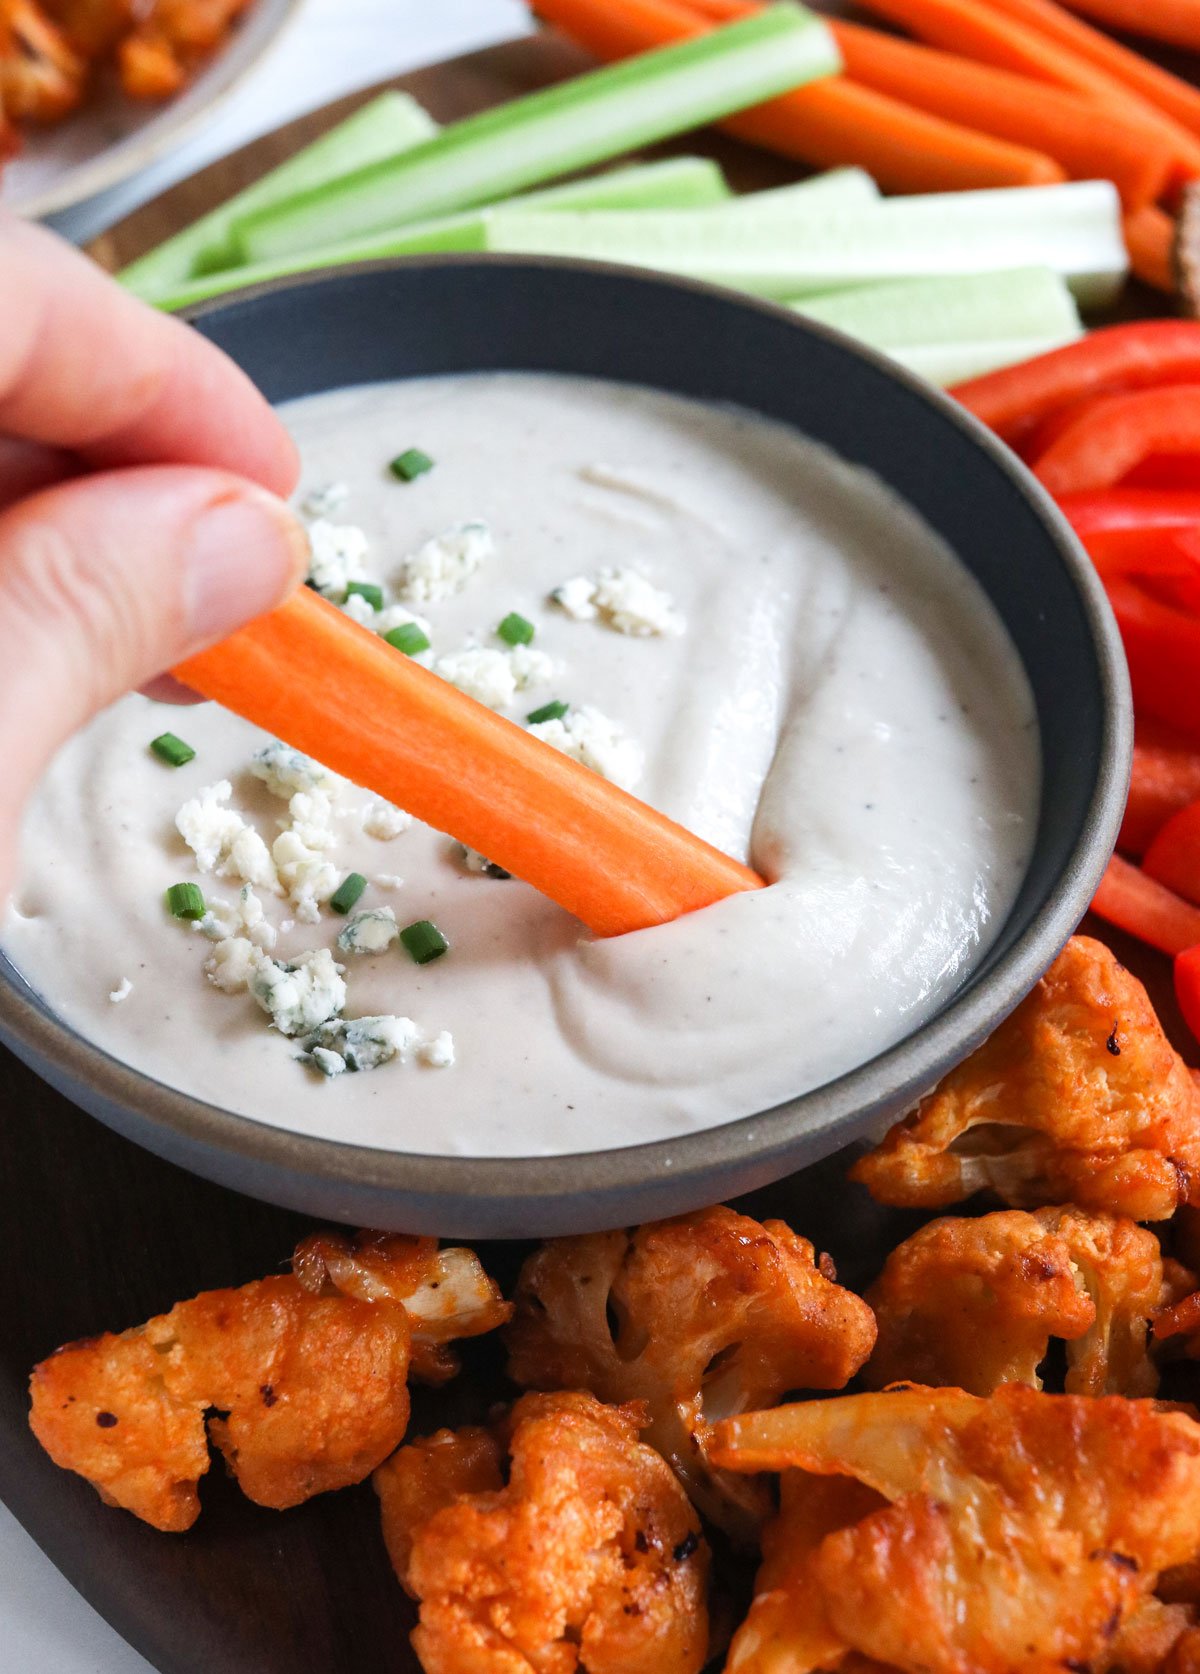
<point>99,1234</point>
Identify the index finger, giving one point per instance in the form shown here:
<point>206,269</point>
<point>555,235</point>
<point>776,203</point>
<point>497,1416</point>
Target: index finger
<point>85,366</point>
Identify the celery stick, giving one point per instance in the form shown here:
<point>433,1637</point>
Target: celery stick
<point>1075,229</point>
<point>836,187</point>
<point>951,363</point>
<point>382,128</point>
<point>949,329</point>
<point>670,184</point>
<point>557,130</point>
<point>1026,302</point>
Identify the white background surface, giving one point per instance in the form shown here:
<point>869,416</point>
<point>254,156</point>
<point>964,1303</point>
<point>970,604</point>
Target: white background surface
<point>333,47</point>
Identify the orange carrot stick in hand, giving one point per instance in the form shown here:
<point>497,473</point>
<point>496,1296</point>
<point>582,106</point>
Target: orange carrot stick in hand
<point>372,714</point>
<point>1120,146</point>
<point>826,124</point>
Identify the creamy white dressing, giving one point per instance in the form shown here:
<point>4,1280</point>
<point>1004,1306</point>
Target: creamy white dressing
<point>842,707</point>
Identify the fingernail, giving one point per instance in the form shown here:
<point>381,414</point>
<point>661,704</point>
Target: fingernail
<point>242,556</point>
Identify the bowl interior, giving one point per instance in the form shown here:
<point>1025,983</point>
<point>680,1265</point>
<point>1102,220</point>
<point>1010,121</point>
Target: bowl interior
<point>442,315</point>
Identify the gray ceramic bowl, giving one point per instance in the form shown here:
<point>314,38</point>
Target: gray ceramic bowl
<point>451,314</point>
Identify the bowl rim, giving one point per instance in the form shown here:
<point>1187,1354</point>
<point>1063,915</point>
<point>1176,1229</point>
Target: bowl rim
<point>193,1127</point>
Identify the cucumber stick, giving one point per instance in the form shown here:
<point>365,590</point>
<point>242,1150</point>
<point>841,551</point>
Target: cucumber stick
<point>950,329</point>
<point>676,182</point>
<point>1073,229</point>
<point>381,128</point>
<point>556,131</point>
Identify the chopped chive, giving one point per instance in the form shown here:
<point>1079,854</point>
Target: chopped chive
<point>347,892</point>
<point>409,638</point>
<point>516,630</point>
<point>172,750</point>
<point>368,590</point>
<point>548,712</point>
<point>423,941</point>
<point>186,900</point>
<point>410,464</point>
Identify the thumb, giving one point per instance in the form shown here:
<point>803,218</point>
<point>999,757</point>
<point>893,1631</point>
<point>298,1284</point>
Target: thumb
<point>108,580</point>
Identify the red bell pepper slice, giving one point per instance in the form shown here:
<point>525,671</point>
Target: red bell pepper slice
<point>1141,355</point>
<point>1146,908</point>
<point>1165,778</point>
<point>1130,508</point>
<point>1173,858</point>
<point>1187,987</point>
<point>1162,647</point>
<point>1118,433</point>
<point>1166,562</point>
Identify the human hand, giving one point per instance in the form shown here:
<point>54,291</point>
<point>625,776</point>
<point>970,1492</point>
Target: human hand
<point>139,514</point>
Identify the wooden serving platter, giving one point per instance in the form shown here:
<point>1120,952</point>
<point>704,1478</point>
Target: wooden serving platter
<point>100,1234</point>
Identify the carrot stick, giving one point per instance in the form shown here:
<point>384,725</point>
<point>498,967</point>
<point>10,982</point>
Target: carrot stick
<point>1121,147</point>
<point>385,722</point>
<point>975,30</point>
<point>1134,902</point>
<point>1174,21</point>
<point>1150,239</point>
<point>1170,94</point>
<point>829,122</point>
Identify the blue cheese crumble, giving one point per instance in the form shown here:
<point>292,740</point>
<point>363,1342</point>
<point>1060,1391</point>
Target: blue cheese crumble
<point>622,599</point>
<point>444,565</point>
<point>589,737</point>
<point>373,930</point>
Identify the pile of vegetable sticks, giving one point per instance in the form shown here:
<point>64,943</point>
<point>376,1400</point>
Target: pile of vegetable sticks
<point>950,283</point>
<point>991,93</point>
<point>1111,427</point>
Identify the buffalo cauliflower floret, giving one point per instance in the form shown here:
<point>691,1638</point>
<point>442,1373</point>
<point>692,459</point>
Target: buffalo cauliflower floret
<point>589,1558</point>
<point>1078,1097</point>
<point>1021,1533</point>
<point>309,1378</point>
<point>975,1303</point>
<point>713,1314</point>
<point>434,1471</point>
<point>446,1293</point>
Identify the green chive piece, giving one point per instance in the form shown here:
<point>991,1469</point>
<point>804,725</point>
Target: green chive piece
<point>516,630</point>
<point>172,750</point>
<point>409,638</point>
<point>347,892</point>
<point>368,590</point>
<point>548,712</point>
<point>410,465</point>
<point>186,900</point>
<point>423,941</point>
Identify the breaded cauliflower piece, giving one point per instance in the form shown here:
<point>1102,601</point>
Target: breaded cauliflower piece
<point>1181,1321</point>
<point>714,1314</point>
<point>446,1293</point>
<point>1022,1532</point>
<point>434,1471</point>
<point>590,1558</point>
<point>1077,1097</point>
<point>974,1303</point>
<point>313,1390</point>
<point>308,1382</point>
